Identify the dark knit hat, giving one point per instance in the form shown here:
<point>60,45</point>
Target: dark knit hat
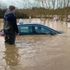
<point>11,8</point>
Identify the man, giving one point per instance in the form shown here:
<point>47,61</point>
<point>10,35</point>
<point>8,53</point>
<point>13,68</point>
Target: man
<point>10,26</point>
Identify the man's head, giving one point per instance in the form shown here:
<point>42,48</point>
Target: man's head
<point>12,8</point>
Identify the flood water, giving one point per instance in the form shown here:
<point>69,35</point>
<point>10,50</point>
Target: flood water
<point>42,52</point>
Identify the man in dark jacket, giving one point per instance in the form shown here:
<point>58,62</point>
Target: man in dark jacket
<point>10,26</point>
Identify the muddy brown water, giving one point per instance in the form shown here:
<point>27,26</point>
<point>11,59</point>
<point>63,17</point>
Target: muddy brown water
<point>42,52</point>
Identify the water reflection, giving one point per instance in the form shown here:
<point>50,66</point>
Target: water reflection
<point>11,55</point>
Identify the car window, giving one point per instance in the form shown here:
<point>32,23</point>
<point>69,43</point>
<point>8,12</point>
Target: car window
<point>45,30</point>
<point>25,29</point>
<point>40,29</point>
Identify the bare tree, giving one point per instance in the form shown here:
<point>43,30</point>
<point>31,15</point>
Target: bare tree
<point>67,10</point>
<point>53,3</point>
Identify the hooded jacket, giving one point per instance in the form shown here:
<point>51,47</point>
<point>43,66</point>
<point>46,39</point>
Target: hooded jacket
<point>10,22</point>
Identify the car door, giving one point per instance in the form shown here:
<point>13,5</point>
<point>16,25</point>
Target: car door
<point>25,29</point>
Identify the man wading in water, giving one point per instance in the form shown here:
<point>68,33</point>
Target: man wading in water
<point>10,25</point>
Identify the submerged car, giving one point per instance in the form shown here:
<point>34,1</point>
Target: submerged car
<point>36,29</point>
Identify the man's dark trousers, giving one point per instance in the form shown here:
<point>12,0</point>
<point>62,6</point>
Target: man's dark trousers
<point>9,36</point>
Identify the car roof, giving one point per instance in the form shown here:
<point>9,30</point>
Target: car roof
<point>31,25</point>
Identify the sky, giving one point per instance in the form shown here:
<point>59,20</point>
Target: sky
<point>20,3</point>
<point>29,3</point>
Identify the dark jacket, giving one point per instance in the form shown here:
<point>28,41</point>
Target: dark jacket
<point>10,23</point>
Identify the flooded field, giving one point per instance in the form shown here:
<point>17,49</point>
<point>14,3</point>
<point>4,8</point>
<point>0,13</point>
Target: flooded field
<point>42,52</point>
